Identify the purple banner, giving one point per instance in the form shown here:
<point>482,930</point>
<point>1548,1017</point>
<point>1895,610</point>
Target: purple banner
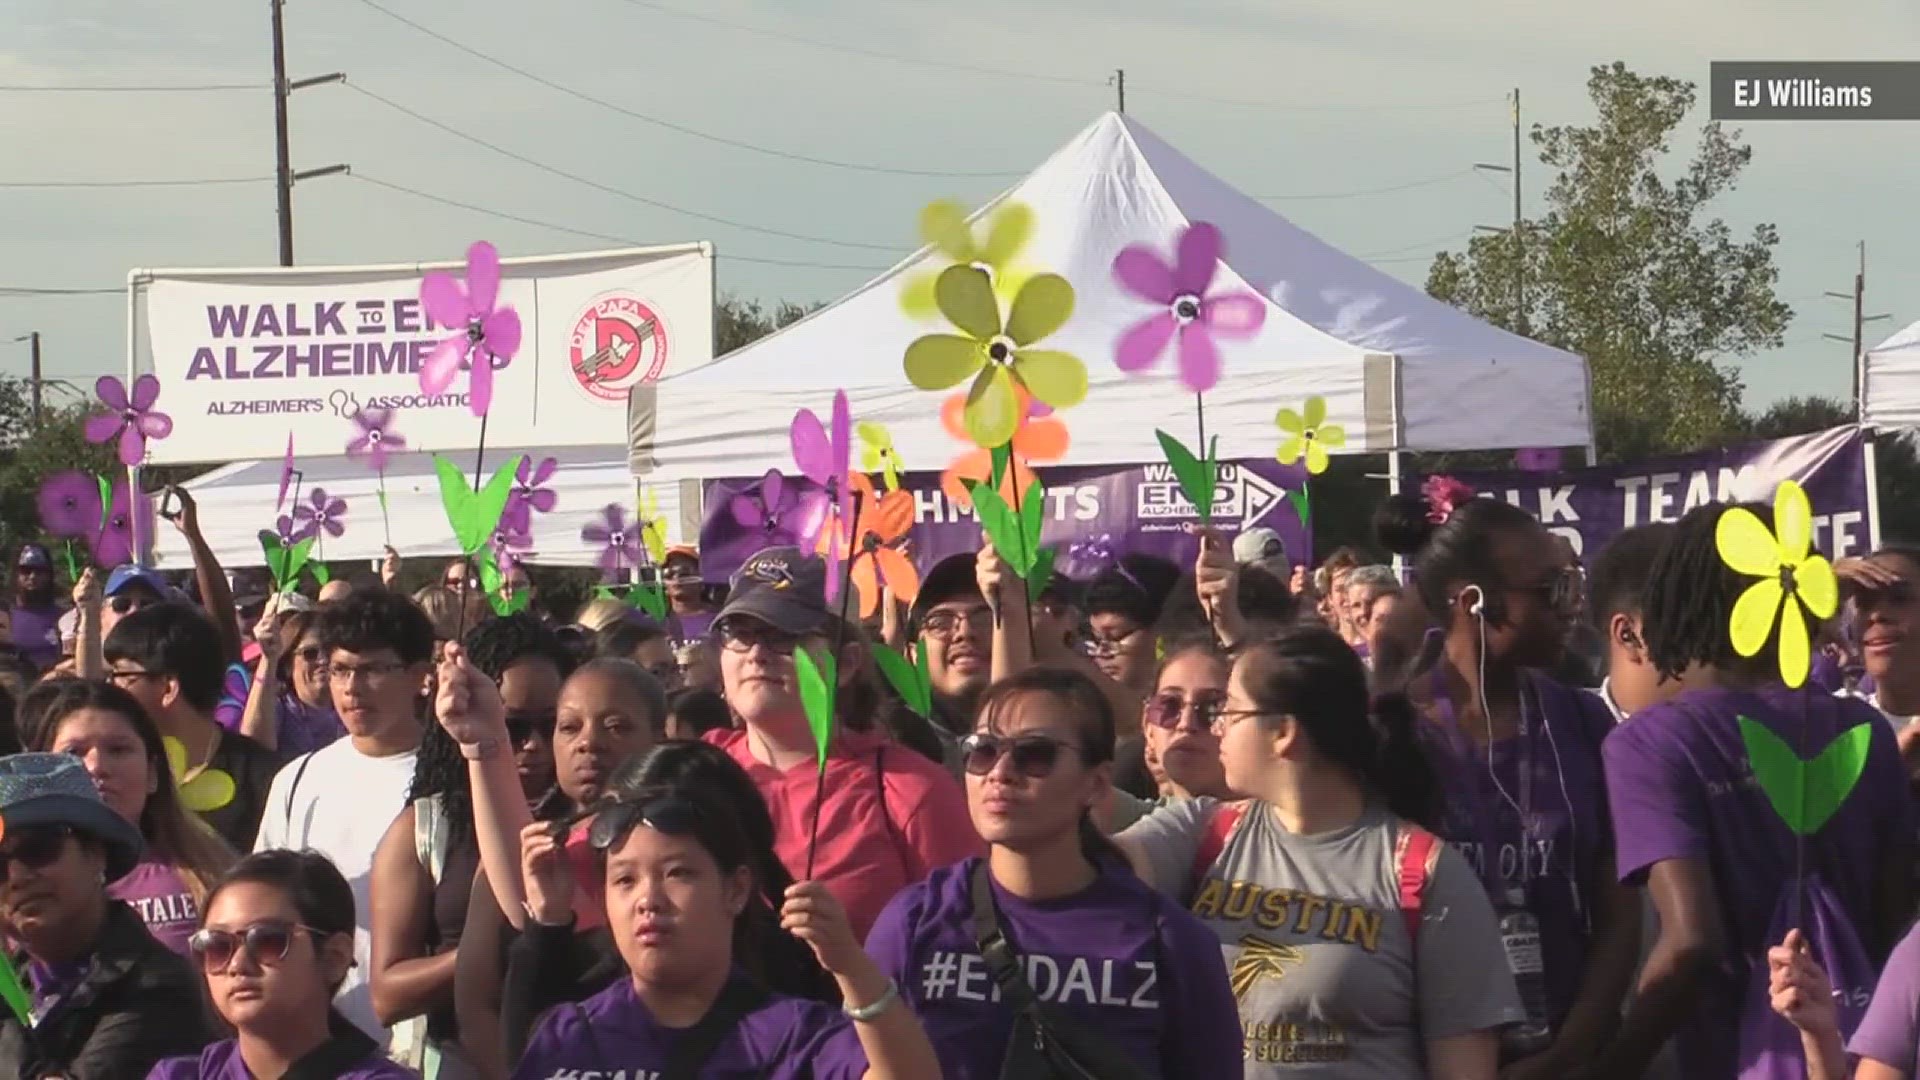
<point>1588,506</point>
<point>1139,506</point>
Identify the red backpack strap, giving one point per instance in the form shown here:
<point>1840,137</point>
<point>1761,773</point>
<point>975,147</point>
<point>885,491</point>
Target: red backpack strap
<point>1213,841</point>
<point>1418,851</point>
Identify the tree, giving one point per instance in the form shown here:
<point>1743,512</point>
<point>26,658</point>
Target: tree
<point>1624,269</point>
<point>738,322</point>
<point>28,456</point>
<point>1798,416</point>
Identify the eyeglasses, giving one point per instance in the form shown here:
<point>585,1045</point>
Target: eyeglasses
<point>266,942</point>
<point>943,625</point>
<point>1226,718</point>
<point>741,635</point>
<point>671,815</point>
<point>125,602</point>
<point>312,654</point>
<point>379,672</point>
<point>1168,710</point>
<point>1108,648</point>
<point>1562,593</point>
<point>524,724</point>
<point>1034,756</point>
<point>35,847</point>
<point>123,676</point>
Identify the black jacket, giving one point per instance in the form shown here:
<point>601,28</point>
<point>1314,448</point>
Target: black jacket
<point>138,1003</point>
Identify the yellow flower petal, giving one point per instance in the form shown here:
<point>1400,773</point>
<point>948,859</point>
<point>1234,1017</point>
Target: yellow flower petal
<point>870,457</point>
<point>944,225</point>
<point>654,536</point>
<point>207,792</point>
<point>1796,655</point>
<point>1331,436</point>
<point>1754,614</point>
<point>943,361</point>
<point>1289,451</point>
<point>966,298</point>
<point>1289,421</point>
<point>176,755</point>
<point>916,296</point>
<point>1792,521</point>
<point>1007,232</point>
<point>1316,458</point>
<point>1056,378</point>
<point>1745,545</point>
<point>892,473</point>
<point>993,408</point>
<point>1316,411</point>
<point>1044,305</point>
<point>1817,587</point>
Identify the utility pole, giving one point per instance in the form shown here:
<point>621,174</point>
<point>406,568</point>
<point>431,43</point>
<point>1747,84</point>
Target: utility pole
<point>35,379</point>
<point>284,176</point>
<point>1860,321</point>
<point>1120,85</point>
<point>1518,228</point>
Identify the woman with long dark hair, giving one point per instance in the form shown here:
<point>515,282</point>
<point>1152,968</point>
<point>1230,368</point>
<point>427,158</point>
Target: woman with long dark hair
<point>1355,940</point>
<point>275,947</point>
<point>1125,979</point>
<point>1518,758</point>
<point>1177,720</point>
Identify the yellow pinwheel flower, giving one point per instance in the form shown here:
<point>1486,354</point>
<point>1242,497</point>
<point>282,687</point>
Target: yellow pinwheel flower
<point>943,225</point>
<point>1308,434</point>
<point>653,528</point>
<point>1000,358</point>
<point>1791,575</point>
<point>203,792</point>
<point>877,452</point>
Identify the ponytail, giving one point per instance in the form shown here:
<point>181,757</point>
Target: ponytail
<point>1098,848</point>
<point>1401,771</point>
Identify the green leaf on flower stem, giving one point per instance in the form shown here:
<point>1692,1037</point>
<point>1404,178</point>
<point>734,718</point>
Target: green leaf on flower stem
<point>1194,475</point>
<point>1002,528</point>
<point>106,501</point>
<point>473,514</point>
<point>1041,574</point>
<point>279,556</point>
<point>816,696</point>
<point>651,598</point>
<point>1033,510</point>
<point>1806,793</point>
<point>321,575</point>
<point>906,679</point>
<point>493,583</point>
<point>1302,506</point>
<point>1001,456</point>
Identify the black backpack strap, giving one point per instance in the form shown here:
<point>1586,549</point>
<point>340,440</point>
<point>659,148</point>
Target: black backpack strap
<point>691,1052</point>
<point>298,772</point>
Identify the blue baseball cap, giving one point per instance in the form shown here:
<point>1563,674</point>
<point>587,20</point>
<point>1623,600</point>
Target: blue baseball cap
<point>127,575</point>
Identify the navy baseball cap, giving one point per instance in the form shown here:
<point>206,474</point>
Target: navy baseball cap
<point>34,557</point>
<point>128,575</point>
<point>783,587</point>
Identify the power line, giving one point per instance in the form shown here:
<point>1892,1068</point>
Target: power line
<point>1308,106</point>
<point>596,185</point>
<point>199,182</point>
<point>201,88</point>
<point>24,290</point>
<point>1448,239</point>
<point>668,124</point>
<point>1408,186</point>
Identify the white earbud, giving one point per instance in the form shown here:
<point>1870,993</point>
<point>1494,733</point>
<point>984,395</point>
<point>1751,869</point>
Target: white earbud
<point>1478,606</point>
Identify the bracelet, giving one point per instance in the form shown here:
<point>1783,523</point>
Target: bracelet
<point>868,1013</point>
<point>480,751</point>
<point>536,920</point>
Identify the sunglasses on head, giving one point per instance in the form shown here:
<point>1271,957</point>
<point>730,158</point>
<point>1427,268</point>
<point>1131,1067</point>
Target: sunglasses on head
<point>1168,710</point>
<point>266,942</point>
<point>1033,756</point>
<point>670,815</point>
<point>35,847</point>
<point>524,724</point>
<point>741,635</point>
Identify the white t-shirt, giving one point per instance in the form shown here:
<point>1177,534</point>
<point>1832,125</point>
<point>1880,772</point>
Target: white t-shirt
<point>341,808</point>
<point>1899,722</point>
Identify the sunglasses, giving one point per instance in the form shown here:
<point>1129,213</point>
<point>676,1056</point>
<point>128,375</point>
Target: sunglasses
<point>524,724</point>
<point>1168,710</point>
<point>671,816</point>
<point>35,847</point>
<point>1034,756</point>
<point>741,635</point>
<point>122,603</point>
<point>266,943</point>
<point>312,654</point>
<point>1561,594</point>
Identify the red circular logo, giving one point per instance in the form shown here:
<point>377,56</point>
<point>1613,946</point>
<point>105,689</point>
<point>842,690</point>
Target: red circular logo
<point>617,343</point>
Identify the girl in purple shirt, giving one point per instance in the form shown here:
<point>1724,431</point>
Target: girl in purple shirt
<point>275,946</point>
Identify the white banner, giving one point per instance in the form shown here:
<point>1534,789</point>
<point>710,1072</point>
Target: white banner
<point>246,357</point>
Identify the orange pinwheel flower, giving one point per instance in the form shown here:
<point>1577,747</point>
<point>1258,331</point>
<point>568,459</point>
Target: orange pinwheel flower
<point>1037,440</point>
<point>880,525</point>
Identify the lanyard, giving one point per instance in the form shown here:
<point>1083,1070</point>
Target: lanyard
<point>1479,776</point>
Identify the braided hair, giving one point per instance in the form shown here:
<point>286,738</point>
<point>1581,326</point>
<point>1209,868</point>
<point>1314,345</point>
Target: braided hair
<point>1689,598</point>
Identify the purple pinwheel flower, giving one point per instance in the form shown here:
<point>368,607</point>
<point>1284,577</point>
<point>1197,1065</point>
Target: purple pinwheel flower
<point>765,506</point>
<point>509,547</point>
<point>113,545</point>
<point>289,533</point>
<point>322,514</point>
<point>528,497</point>
<point>1190,314</point>
<point>620,541</point>
<point>70,505</point>
<point>486,334</point>
<point>824,459</point>
<point>133,420</point>
<point>376,437</point>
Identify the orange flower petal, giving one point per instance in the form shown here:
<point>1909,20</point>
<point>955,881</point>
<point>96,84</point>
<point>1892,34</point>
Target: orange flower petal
<point>865,582</point>
<point>974,465</point>
<point>893,516</point>
<point>899,572</point>
<point>953,417</point>
<point>1044,439</point>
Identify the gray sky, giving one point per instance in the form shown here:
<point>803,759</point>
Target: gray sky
<point>1307,97</point>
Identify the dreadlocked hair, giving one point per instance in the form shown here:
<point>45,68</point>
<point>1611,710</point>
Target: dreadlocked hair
<point>1689,601</point>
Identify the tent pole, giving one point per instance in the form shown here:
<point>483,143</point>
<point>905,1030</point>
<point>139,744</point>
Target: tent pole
<point>1393,488</point>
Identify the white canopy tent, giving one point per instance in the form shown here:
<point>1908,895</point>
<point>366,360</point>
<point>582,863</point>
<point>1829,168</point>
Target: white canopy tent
<point>1398,369</point>
<point>1890,382</point>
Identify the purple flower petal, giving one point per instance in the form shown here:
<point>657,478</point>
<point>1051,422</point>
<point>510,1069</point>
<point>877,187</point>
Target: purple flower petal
<point>745,510</point>
<point>543,500</point>
<point>1143,343</point>
<point>516,517</point>
<point>1199,255</point>
<point>808,517</point>
<point>1199,359</point>
<point>501,332</point>
<point>480,383</point>
<point>103,427</point>
<point>133,448</point>
<point>318,497</point>
<point>544,472</point>
<point>843,455</point>
<point>69,505</point>
<point>146,391</point>
<point>441,365</point>
<point>770,488</point>
<point>336,508</point>
<point>334,528</point>
<point>1234,314</point>
<point>594,533</point>
<point>812,453</point>
<point>1140,271</point>
<point>483,278</point>
<point>111,392</point>
<point>155,425</point>
<point>445,301</point>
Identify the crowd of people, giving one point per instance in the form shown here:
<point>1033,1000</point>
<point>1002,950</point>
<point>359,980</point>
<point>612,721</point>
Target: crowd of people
<point>1489,814</point>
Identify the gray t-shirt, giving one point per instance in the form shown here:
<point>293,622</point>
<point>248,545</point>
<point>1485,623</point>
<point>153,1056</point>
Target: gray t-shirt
<point>1317,947</point>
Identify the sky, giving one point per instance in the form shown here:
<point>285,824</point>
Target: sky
<point>1362,118</point>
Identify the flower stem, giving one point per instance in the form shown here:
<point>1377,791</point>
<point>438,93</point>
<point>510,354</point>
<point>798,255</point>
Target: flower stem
<point>833,692</point>
<point>1013,474</point>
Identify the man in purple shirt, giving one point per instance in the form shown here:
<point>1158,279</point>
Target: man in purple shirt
<point>36,607</point>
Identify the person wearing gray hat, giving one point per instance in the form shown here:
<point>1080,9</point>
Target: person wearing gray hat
<point>107,998</point>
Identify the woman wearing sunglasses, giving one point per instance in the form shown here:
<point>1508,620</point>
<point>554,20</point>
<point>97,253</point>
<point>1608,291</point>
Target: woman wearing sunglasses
<point>107,730</point>
<point>1518,757</point>
<point>424,869</point>
<point>1178,721</point>
<point>290,704</point>
<point>1356,941</point>
<point>275,947</point>
<point>1127,984</point>
<point>679,888</point>
<point>105,998</point>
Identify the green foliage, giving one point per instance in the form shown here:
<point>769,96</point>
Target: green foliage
<point>1624,268</point>
<point>738,322</point>
<point>28,457</point>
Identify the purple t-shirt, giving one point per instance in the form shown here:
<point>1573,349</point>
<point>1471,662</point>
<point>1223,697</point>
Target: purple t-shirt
<point>1117,959</point>
<point>36,633</point>
<point>612,1034</point>
<point>221,1061</point>
<point>158,894</point>
<point>1681,788</point>
<point>1890,1032</point>
<point>1555,862</point>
